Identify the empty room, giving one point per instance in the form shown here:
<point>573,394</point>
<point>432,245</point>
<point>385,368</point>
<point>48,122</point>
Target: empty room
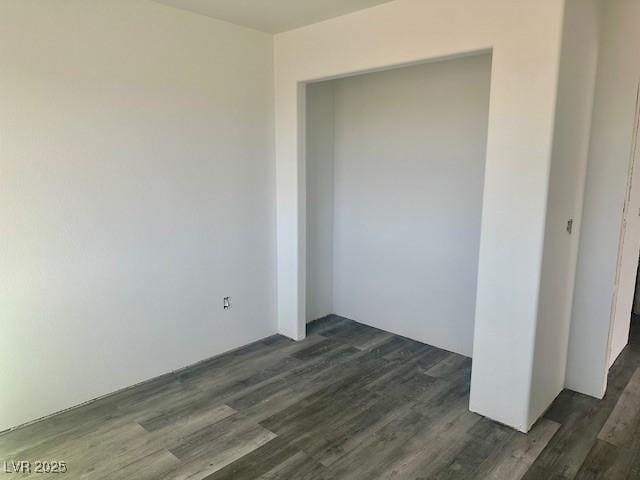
<point>319,239</point>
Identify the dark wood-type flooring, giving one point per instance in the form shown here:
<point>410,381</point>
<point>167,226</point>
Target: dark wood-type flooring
<point>348,402</point>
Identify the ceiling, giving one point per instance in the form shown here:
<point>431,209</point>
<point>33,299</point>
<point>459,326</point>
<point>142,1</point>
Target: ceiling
<point>272,16</point>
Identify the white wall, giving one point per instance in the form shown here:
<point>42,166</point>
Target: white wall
<point>320,200</point>
<point>617,79</point>
<point>525,38</point>
<point>578,63</point>
<point>136,191</point>
<point>410,147</point>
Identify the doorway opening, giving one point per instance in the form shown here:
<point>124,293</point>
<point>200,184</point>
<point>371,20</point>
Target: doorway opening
<point>395,166</point>
<point>625,287</point>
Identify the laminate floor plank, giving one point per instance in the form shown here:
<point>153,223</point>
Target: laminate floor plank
<point>349,402</point>
<point>259,462</point>
<point>357,335</point>
<point>515,458</point>
<point>320,326</point>
<point>149,467</point>
<point>482,444</point>
<point>622,423</point>
<point>603,462</point>
<point>452,364</point>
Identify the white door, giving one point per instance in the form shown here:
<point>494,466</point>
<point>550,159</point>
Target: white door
<point>628,251</point>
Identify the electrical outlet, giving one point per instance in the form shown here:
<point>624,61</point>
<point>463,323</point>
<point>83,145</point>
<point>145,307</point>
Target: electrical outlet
<point>226,303</point>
